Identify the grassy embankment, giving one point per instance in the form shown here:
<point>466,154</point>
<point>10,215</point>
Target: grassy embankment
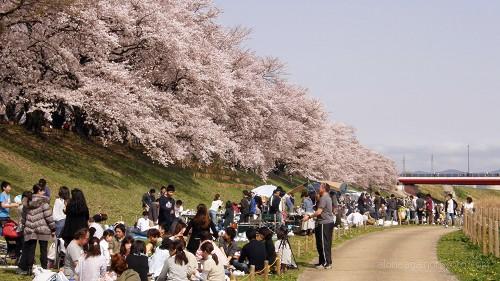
<point>466,260</point>
<point>114,178</point>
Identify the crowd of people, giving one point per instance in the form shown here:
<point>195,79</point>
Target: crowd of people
<point>167,244</point>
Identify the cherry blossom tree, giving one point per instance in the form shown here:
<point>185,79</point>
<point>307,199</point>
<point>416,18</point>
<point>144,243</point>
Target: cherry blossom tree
<point>166,75</point>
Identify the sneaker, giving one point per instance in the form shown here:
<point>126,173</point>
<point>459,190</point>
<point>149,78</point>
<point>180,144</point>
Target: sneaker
<point>319,266</point>
<point>328,266</point>
<point>446,226</point>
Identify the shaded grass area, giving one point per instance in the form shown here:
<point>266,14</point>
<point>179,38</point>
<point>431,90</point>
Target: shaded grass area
<point>465,259</point>
<point>112,178</point>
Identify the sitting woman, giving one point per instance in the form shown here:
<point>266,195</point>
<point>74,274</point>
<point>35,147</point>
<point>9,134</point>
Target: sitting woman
<point>212,270</point>
<point>137,259</point>
<point>206,238</point>
<point>176,267</point>
<point>92,266</point>
<point>125,246</point>
<point>157,260</point>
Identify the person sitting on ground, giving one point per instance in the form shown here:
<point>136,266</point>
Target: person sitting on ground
<point>143,224</point>
<point>253,253</point>
<point>119,236</point>
<point>266,235</point>
<point>95,222</point>
<point>154,240</point>
<point>178,232</point>
<point>176,266</point>
<point>92,265</point>
<point>212,270</point>
<point>228,245</point>
<point>206,237</point>
<point>157,260</point>
<point>106,239</point>
<point>125,246</point>
<point>120,267</point>
<point>178,208</point>
<point>137,259</point>
<point>74,251</point>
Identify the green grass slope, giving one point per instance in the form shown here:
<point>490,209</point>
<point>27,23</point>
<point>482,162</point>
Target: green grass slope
<point>113,178</point>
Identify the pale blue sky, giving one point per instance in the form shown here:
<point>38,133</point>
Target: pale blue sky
<point>413,77</point>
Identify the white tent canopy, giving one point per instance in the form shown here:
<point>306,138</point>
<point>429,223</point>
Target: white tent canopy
<point>264,190</point>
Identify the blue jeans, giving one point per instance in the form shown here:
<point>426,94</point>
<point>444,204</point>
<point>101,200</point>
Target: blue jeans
<point>59,226</point>
<point>450,216</point>
<point>213,216</point>
<point>241,266</point>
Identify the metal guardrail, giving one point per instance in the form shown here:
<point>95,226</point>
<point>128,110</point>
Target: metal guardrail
<point>477,175</point>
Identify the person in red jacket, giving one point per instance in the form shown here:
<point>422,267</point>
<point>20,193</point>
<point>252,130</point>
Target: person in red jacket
<point>429,206</point>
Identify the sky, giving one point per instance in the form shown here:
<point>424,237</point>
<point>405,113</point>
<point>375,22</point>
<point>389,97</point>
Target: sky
<point>414,78</point>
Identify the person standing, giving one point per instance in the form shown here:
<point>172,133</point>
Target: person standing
<point>377,202</point>
<point>43,184</point>
<point>420,203</point>
<point>38,226</point>
<point>308,206</point>
<point>5,204</point>
<point>450,208</point>
<point>429,206</point>
<point>214,208</point>
<point>200,223</point>
<point>468,206</point>
<point>148,200</point>
<point>59,211</point>
<point>77,216</point>
<point>167,207</point>
<point>324,228</point>
<point>245,207</point>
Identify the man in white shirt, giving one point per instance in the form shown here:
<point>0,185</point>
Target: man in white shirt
<point>143,224</point>
<point>450,208</point>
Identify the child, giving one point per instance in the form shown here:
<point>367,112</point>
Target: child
<point>212,269</point>
<point>178,208</point>
<point>107,237</point>
<point>154,239</point>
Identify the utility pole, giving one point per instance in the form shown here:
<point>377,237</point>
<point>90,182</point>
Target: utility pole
<point>404,165</point>
<point>432,164</point>
<point>468,160</point>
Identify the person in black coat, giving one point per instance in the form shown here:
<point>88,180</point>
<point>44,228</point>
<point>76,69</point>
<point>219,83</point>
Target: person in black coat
<point>167,207</point>
<point>77,216</point>
<point>200,223</point>
<point>228,214</point>
<point>137,259</point>
<point>266,235</point>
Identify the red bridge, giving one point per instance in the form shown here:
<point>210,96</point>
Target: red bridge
<point>465,180</point>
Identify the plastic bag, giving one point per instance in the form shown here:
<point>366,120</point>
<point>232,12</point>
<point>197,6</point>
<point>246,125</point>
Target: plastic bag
<point>51,252</point>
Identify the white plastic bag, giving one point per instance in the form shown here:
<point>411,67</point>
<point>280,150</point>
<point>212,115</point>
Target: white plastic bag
<point>51,252</point>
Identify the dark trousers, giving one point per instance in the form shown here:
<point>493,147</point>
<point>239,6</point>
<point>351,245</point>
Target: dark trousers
<point>324,233</point>
<point>28,254</point>
<point>420,214</point>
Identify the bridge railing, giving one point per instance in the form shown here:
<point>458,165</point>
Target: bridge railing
<point>477,175</point>
<point>482,228</point>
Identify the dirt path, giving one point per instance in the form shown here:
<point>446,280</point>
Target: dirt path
<point>402,254</point>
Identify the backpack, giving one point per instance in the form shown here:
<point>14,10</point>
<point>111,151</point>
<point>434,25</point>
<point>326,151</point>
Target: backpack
<point>10,230</point>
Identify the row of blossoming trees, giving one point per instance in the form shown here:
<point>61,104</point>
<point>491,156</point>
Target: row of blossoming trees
<point>166,75</point>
